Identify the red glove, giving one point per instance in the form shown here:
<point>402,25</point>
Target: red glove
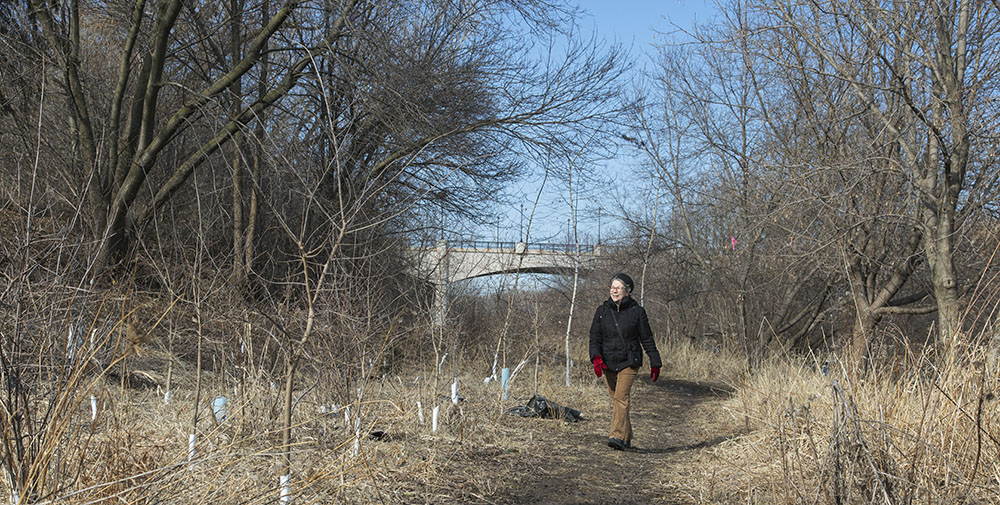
<point>654,372</point>
<point>599,367</point>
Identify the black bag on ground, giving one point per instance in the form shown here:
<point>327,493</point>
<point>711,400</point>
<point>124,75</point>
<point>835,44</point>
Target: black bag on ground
<point>538,406</point>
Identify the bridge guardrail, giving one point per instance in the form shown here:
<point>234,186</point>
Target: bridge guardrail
<point>493,245</point>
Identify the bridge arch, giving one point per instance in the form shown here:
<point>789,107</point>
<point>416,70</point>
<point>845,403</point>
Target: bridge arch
<point>446,263</point>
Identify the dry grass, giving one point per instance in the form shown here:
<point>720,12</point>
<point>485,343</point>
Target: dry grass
<point>688,360</point>
<point>910,433</point>
<point>924,431</point>
<point>136,450</point>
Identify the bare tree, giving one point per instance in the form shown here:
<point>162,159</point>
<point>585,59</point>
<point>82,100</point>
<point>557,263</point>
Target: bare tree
<point>835,140</point>
<point>445,94</point>
<point>701,133</point>
<point>925,71</point>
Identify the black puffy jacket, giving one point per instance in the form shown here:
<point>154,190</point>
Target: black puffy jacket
<point>634,324</point>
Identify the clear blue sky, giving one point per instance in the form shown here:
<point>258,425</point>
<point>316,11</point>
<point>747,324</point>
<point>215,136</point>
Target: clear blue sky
<point>638,21</point>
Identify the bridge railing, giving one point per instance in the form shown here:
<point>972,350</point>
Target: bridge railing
<point>493,245</point>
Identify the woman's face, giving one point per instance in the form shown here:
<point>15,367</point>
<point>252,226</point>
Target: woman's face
<point>618,291</point>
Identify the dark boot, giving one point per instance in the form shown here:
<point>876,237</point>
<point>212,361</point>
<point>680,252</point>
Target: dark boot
<point>616,444</point>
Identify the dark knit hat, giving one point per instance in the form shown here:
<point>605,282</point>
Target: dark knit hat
<point>626,280</point>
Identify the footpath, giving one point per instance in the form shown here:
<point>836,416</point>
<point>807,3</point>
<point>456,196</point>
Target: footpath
<point>675,424</point>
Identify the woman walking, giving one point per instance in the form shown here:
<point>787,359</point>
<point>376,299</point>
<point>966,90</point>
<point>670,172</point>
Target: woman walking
<point>619,328</point>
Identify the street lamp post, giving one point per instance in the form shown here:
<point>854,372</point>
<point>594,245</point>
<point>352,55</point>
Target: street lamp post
<point>521,226</point>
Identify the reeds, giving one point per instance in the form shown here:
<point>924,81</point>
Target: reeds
<point>921,429</point>
<point>371,449</point>
<point>917,426</point>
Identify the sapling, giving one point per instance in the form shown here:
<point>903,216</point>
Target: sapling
<point>576,277</point>
<point>357,436</point>
<point>516,370</point>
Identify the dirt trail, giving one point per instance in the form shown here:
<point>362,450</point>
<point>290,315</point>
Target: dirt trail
<point>672,421</point>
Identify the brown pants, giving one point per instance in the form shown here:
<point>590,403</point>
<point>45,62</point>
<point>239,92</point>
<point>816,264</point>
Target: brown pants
<point>619,384</point>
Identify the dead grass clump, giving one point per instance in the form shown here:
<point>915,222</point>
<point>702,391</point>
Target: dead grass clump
<point>694,361</point>
<point>375,449</point>
<point>882,436</point>
<point>119,462</point>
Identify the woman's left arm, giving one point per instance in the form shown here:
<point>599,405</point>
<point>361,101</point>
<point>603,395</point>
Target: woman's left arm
<point>646,339</point>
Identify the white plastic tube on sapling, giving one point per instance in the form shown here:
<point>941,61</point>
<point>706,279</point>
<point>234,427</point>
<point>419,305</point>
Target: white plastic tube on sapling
<point>73,342</point>
<point>493,371</point>
<point>505,382</point>
<point>285,494</point>
<point>434,419</point>
<point>219,409</point>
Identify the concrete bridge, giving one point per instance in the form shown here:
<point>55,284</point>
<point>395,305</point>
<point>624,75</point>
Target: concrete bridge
<point>445,263</point>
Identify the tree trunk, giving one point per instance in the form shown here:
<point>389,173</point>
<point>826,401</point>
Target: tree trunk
<point>870,304</point>
<point>249,237</point>
<point>152,142</point>
<point>113,247</point>
<point>954,159</point>
<point>939,257</point>
<point>238,275</point>
<point>286,415</point>
<point>569,319</point>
